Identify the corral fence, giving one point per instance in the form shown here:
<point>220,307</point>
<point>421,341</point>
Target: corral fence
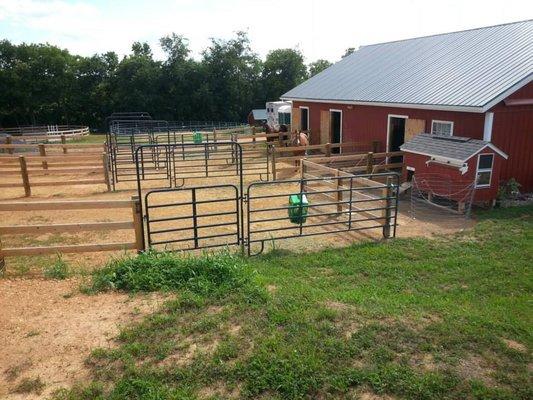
<point>325,200</point>
<point>125,137</point>
<point>197,217</point>
<point>40,134</point>
<point>63,164</point>
<point>134,224</point>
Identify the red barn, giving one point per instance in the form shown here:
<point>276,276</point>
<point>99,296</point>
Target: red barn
<point>475,84</point>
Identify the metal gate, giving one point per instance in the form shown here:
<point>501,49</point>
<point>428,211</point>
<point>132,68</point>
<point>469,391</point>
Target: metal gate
<point>176,158</point>
<point>327,205</point>
<point>193,218</point>
<point>220,215</point>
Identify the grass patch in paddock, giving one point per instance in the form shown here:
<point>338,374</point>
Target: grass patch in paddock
<point>208,274</point>
<point>58,270</point>
<point>30,385</point>
<point>446,318</point>
<point>90,138</point>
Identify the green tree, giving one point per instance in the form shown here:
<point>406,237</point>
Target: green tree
<point>318,66</point>
<point>180,80</point>
<point>135,85</point>
<point>348,51</point>
<point>283,69</point>
<point>232,75</point>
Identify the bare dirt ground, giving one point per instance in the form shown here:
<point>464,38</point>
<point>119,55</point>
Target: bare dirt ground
<point>48,328</point>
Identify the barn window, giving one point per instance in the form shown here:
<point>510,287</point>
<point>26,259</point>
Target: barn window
<point>484,170</point>
<point>442,127</point>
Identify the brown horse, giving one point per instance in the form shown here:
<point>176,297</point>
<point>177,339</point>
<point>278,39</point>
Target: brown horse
<point>298,139</point>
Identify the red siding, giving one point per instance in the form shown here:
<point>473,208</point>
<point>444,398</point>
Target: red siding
<point>512,129</point>
<point>368,123</point>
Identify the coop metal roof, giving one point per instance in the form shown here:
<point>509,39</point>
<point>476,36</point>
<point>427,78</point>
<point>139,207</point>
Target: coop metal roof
<point>259,114</point>
<point>470,70</point>
<point>449,147</point>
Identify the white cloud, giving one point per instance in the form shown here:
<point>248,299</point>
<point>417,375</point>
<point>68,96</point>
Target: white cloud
<point>321,29</point>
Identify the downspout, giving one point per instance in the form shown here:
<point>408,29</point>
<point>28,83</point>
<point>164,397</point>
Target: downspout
<point>487,128</point>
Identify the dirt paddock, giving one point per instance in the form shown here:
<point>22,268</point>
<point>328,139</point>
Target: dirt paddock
<point>438,223</point>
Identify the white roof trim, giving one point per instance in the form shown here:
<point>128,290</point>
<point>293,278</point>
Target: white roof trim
<point>508,92</point>
<point>497,150</point>
<point>438,107</point>
<point>448,159</point>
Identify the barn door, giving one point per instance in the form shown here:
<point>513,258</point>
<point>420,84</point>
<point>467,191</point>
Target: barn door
<point>324,126</point>
<point>413,127</point>
<point>296,119</point>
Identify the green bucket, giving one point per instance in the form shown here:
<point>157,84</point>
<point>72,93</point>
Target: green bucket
<point>197,137</point>
<point>298,207</point>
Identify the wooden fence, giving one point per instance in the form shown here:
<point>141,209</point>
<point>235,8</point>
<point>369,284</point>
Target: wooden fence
<point>281,162</point>
<point>25,167</point>
<point>373,200</point>
<point>135,223</point>
<point>41,134</point>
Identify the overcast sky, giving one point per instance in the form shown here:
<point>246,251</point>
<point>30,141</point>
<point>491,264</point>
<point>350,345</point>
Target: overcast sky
<point>320,28</point>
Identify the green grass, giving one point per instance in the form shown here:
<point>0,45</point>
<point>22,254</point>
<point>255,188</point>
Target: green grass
<point>58,270</point>
<point>446,318</point>
<point>91,138</point>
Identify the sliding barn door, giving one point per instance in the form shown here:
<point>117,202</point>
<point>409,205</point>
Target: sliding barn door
<point>296,119</point>
<point>325,126</point>
<point>413,127</point>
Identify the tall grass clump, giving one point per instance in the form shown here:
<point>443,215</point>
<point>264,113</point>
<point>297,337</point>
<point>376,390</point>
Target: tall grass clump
<point>208,273</point>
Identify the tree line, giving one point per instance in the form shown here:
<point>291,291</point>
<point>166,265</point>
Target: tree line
<point>43,84</point>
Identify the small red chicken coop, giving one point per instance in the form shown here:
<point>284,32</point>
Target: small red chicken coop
<point>462,161</point>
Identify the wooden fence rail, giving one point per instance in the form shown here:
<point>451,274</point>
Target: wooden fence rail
<point>44,149</point>
<point>135,223</point>
<point>56,166</point>
<point>58,133</point>
<point>325,151</point>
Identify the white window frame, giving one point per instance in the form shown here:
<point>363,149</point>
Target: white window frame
<point>478,170</point>
<point>307,108</point>
<point>442,122</point>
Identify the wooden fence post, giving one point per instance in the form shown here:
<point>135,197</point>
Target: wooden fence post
<point>369,162</point>
<point>42,153</point>
<point>9,140</point>
<point>375,146</point>
<point>64,142</point>
<point>339,193</point>
<point>2,259</point>
<point>24,174</point>
<point>328,149</point>
<point>137,222</point>
<point>387,211</point>
<point>274,174</point>
<point>105,165</point>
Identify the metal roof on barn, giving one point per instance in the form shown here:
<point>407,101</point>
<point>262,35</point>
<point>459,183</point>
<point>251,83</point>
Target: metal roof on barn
<point>450,147</point>
<point>466,71</point>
